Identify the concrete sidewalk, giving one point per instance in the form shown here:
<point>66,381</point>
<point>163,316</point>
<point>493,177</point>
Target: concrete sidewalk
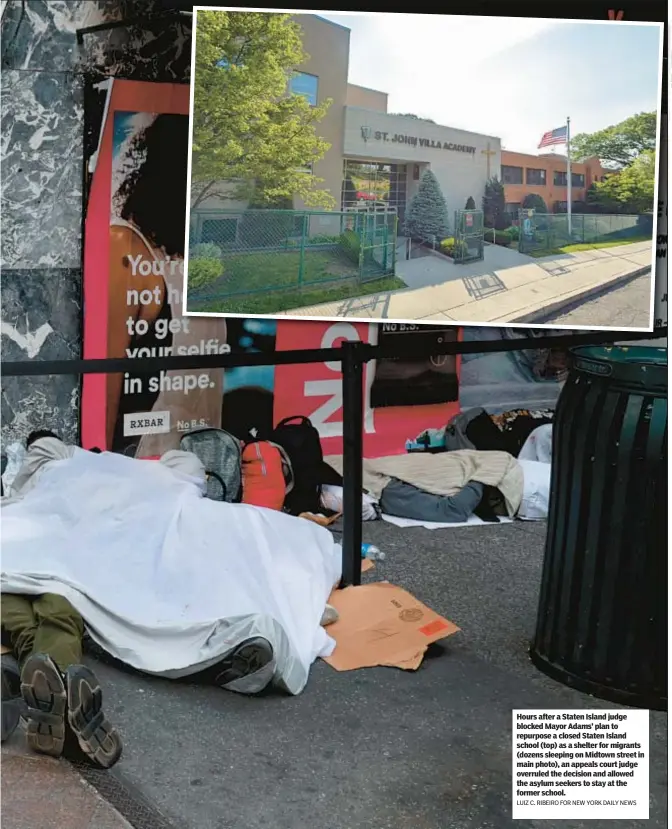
<point>41,791</point>
<point>505,288</point>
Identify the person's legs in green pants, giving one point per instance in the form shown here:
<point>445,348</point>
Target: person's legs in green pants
<point>46,636</point>
<point>18,634</point>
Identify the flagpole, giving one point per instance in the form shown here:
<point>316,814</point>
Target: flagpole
<point>569,188</point>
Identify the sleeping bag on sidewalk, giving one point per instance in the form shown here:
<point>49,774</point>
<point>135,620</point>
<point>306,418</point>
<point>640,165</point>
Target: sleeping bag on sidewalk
<point>267,475</point>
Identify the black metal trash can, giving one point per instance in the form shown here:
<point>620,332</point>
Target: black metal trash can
<point>602,619</point>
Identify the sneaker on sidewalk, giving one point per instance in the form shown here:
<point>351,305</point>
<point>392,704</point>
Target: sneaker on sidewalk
<point>43,692</point>
<point>10,677</point>
<point>99,740</point>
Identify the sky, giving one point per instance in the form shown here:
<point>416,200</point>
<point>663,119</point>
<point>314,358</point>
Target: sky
<point>512,78</point>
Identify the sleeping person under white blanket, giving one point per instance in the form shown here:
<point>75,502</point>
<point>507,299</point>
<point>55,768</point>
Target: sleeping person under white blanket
<point>180,585</point>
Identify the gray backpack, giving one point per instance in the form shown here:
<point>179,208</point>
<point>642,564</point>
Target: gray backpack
<point>220,453</point>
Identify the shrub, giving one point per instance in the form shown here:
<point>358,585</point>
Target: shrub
<point>350,245</point>
<point>206,250</point>
<point>471,204</point>
<point>323,239</point>
<point>502,238</point>
<point>453,247</point>
<point>202,271</point>
<point>513,232</point>
<point>427,216</point>
<point>533,201</point>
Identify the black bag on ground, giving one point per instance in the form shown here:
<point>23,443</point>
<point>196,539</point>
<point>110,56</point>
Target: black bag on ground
<point>301,441</point>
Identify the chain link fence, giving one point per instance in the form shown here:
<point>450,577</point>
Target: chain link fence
<point>547,232</point>
<point>469,234</point>
<point>234,254</point>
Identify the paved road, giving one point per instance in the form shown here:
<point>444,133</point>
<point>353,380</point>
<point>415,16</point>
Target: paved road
<point>627,306</point>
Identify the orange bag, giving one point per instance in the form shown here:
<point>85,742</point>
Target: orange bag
<point>267,475</point>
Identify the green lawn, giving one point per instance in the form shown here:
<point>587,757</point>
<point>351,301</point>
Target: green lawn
<point>273,278</point>
<point>589,246</point>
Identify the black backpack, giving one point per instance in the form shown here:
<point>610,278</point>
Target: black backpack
<point>301,441</point>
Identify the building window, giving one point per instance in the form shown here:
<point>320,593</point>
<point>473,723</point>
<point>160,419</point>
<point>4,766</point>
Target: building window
<point>307,168</point>
<point>306,85</point>
<point>559,179</point>
<point>578,180</point>
<point>535,177</point>
<point>513,208</point>
<point>371,186</point>
<point>221,232</point>
<point>512,175</point>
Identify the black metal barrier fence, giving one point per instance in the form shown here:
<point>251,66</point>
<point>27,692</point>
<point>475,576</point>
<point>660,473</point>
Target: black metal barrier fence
<point>352,356</point>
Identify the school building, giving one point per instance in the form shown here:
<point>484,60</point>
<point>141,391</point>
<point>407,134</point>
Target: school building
<point>377,158</point>
<point>546,175</point>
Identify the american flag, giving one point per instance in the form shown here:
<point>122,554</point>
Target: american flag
<point>558,136</point>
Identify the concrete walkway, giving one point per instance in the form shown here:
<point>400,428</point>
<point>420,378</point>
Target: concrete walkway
<point>506,287</point>
<point>41,791</point>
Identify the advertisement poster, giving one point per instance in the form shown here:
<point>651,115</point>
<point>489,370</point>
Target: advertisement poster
<point>400,382</point>
<point>133,280</point>
<point>315,390</point>
<point>502,381</point>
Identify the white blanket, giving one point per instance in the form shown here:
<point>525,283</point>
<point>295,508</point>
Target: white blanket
<point>165,579</point>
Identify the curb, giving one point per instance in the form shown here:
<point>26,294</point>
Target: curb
<point>540,314</point>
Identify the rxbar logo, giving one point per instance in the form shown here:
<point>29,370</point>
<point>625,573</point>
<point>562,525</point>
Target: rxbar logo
<point>615,15</point>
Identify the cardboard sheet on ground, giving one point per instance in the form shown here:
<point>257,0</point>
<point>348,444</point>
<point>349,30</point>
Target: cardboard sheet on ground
<point>382,625</point>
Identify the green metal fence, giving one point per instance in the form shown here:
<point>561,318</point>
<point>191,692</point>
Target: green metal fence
<point>540,232</point>
<point>238,254</point>
<point>469,229</point>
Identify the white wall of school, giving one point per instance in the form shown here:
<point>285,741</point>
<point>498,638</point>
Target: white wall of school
<point>370,135</point>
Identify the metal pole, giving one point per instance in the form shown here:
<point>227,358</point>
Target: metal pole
<point>302,250</point>
<point>353,423</point>
<point>569,188</point>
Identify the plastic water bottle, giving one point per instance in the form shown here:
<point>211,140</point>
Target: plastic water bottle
<point>372,552</point>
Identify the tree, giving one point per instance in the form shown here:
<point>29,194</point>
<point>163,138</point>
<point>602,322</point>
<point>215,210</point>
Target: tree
<point>247,131</point>
<point>533,201</point>
<point>494,205</point>
<point>427,217</point>
<point>471,204</point>
<point>618,145</point>
<point>632,187</point>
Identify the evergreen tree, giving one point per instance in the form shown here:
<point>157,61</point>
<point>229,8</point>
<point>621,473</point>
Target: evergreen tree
<point>494,205</point>
<point>471,204</point>
<point>427,217</point>
<point>533,201</point>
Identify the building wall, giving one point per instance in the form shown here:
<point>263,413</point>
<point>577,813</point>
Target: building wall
<point>460,174</point>
<point>591,169</point>
<point>328,47</point>
<point>42,150</point>
<point>365,98</point>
